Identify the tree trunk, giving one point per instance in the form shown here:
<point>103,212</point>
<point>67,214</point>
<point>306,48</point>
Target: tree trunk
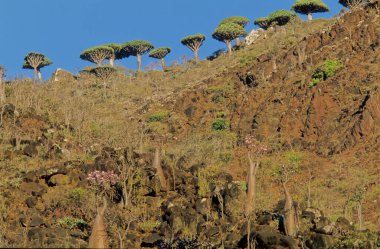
<point>196,57</point>
<point>163,64</point>
<point>158,167</point>
<point>290,213</point>
<point>309,17</point>
<point>99,237</point>
<point>251,192</point>
<point>138,62</point>
<point>34,75</point>
<point>360,216</point>
<point>229,45</point>
<point>39,75</point>
<point>237,40</point>
<point>2,90</point>
<point>112,62</point>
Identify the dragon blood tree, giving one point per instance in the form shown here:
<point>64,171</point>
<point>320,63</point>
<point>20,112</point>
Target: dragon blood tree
<point>262,22</point>
<point>194,42</point>
<point>117,54</point>
<point>160,53</point>
<point>36,61</point>
<point>97,54</point>
<point>137,48</point>
<point>239,20</point>
<point>227,33</point>
<point>308,7</point>
<point>281,17</point>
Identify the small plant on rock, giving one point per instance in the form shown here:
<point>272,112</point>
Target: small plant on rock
<point>325,71</point>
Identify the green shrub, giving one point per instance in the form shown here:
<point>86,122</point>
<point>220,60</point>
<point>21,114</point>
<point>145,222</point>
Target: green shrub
<point>220,124</point>
<point>70,222</point>
<point>78,195</point>
<point>325,71</point>
<point>158,117</point>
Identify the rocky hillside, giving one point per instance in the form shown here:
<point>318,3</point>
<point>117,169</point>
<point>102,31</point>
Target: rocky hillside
<point>311,96</point>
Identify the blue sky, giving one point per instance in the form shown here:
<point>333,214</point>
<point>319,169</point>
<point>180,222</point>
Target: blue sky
<point>62,29</point>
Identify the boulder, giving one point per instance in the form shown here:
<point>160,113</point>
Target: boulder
<point>59,180</point>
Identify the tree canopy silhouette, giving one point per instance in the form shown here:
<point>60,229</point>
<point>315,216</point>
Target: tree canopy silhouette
<point>308,7</point>
<point>160,53</point>
<point>137,48</point>
<point>194,42</point>
<point>228,32</point>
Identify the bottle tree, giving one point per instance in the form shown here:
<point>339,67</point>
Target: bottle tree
<point>262,22</point>
<point>194,42</point>
<point>117,53</point>
<point>36,61</point>
<point>239,20</point>
<point>281,17</point>
<point>228,32</point>
<point>160,53</point>
<point>308,7</point>
<point>97,54</point>
<point>137,48</point>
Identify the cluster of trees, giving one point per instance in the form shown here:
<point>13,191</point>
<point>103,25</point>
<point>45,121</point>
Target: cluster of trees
<point>229,29</point>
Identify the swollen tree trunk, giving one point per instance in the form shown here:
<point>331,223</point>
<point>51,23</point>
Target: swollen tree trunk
<point>196,57</point>
<point>163,63</point>
<point>290,213</point>
<point>251,192</point>
<point>229,45</point>
<point>138,62</point>
<point>99,237</point>
<point>309,17</point>
<point>158,167</point>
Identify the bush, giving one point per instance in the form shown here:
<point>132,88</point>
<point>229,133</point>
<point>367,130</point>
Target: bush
<point>158,117</point>
<point>325,71</point>
<point>220,124</point>
<point>70,222</point>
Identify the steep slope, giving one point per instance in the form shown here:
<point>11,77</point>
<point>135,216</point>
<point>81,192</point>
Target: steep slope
<point>199,118</point>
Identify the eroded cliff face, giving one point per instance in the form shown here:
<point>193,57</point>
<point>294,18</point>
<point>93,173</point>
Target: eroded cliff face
<point>329,118</point>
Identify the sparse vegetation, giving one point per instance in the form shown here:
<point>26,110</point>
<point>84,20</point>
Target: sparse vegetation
<point>163,158</point>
